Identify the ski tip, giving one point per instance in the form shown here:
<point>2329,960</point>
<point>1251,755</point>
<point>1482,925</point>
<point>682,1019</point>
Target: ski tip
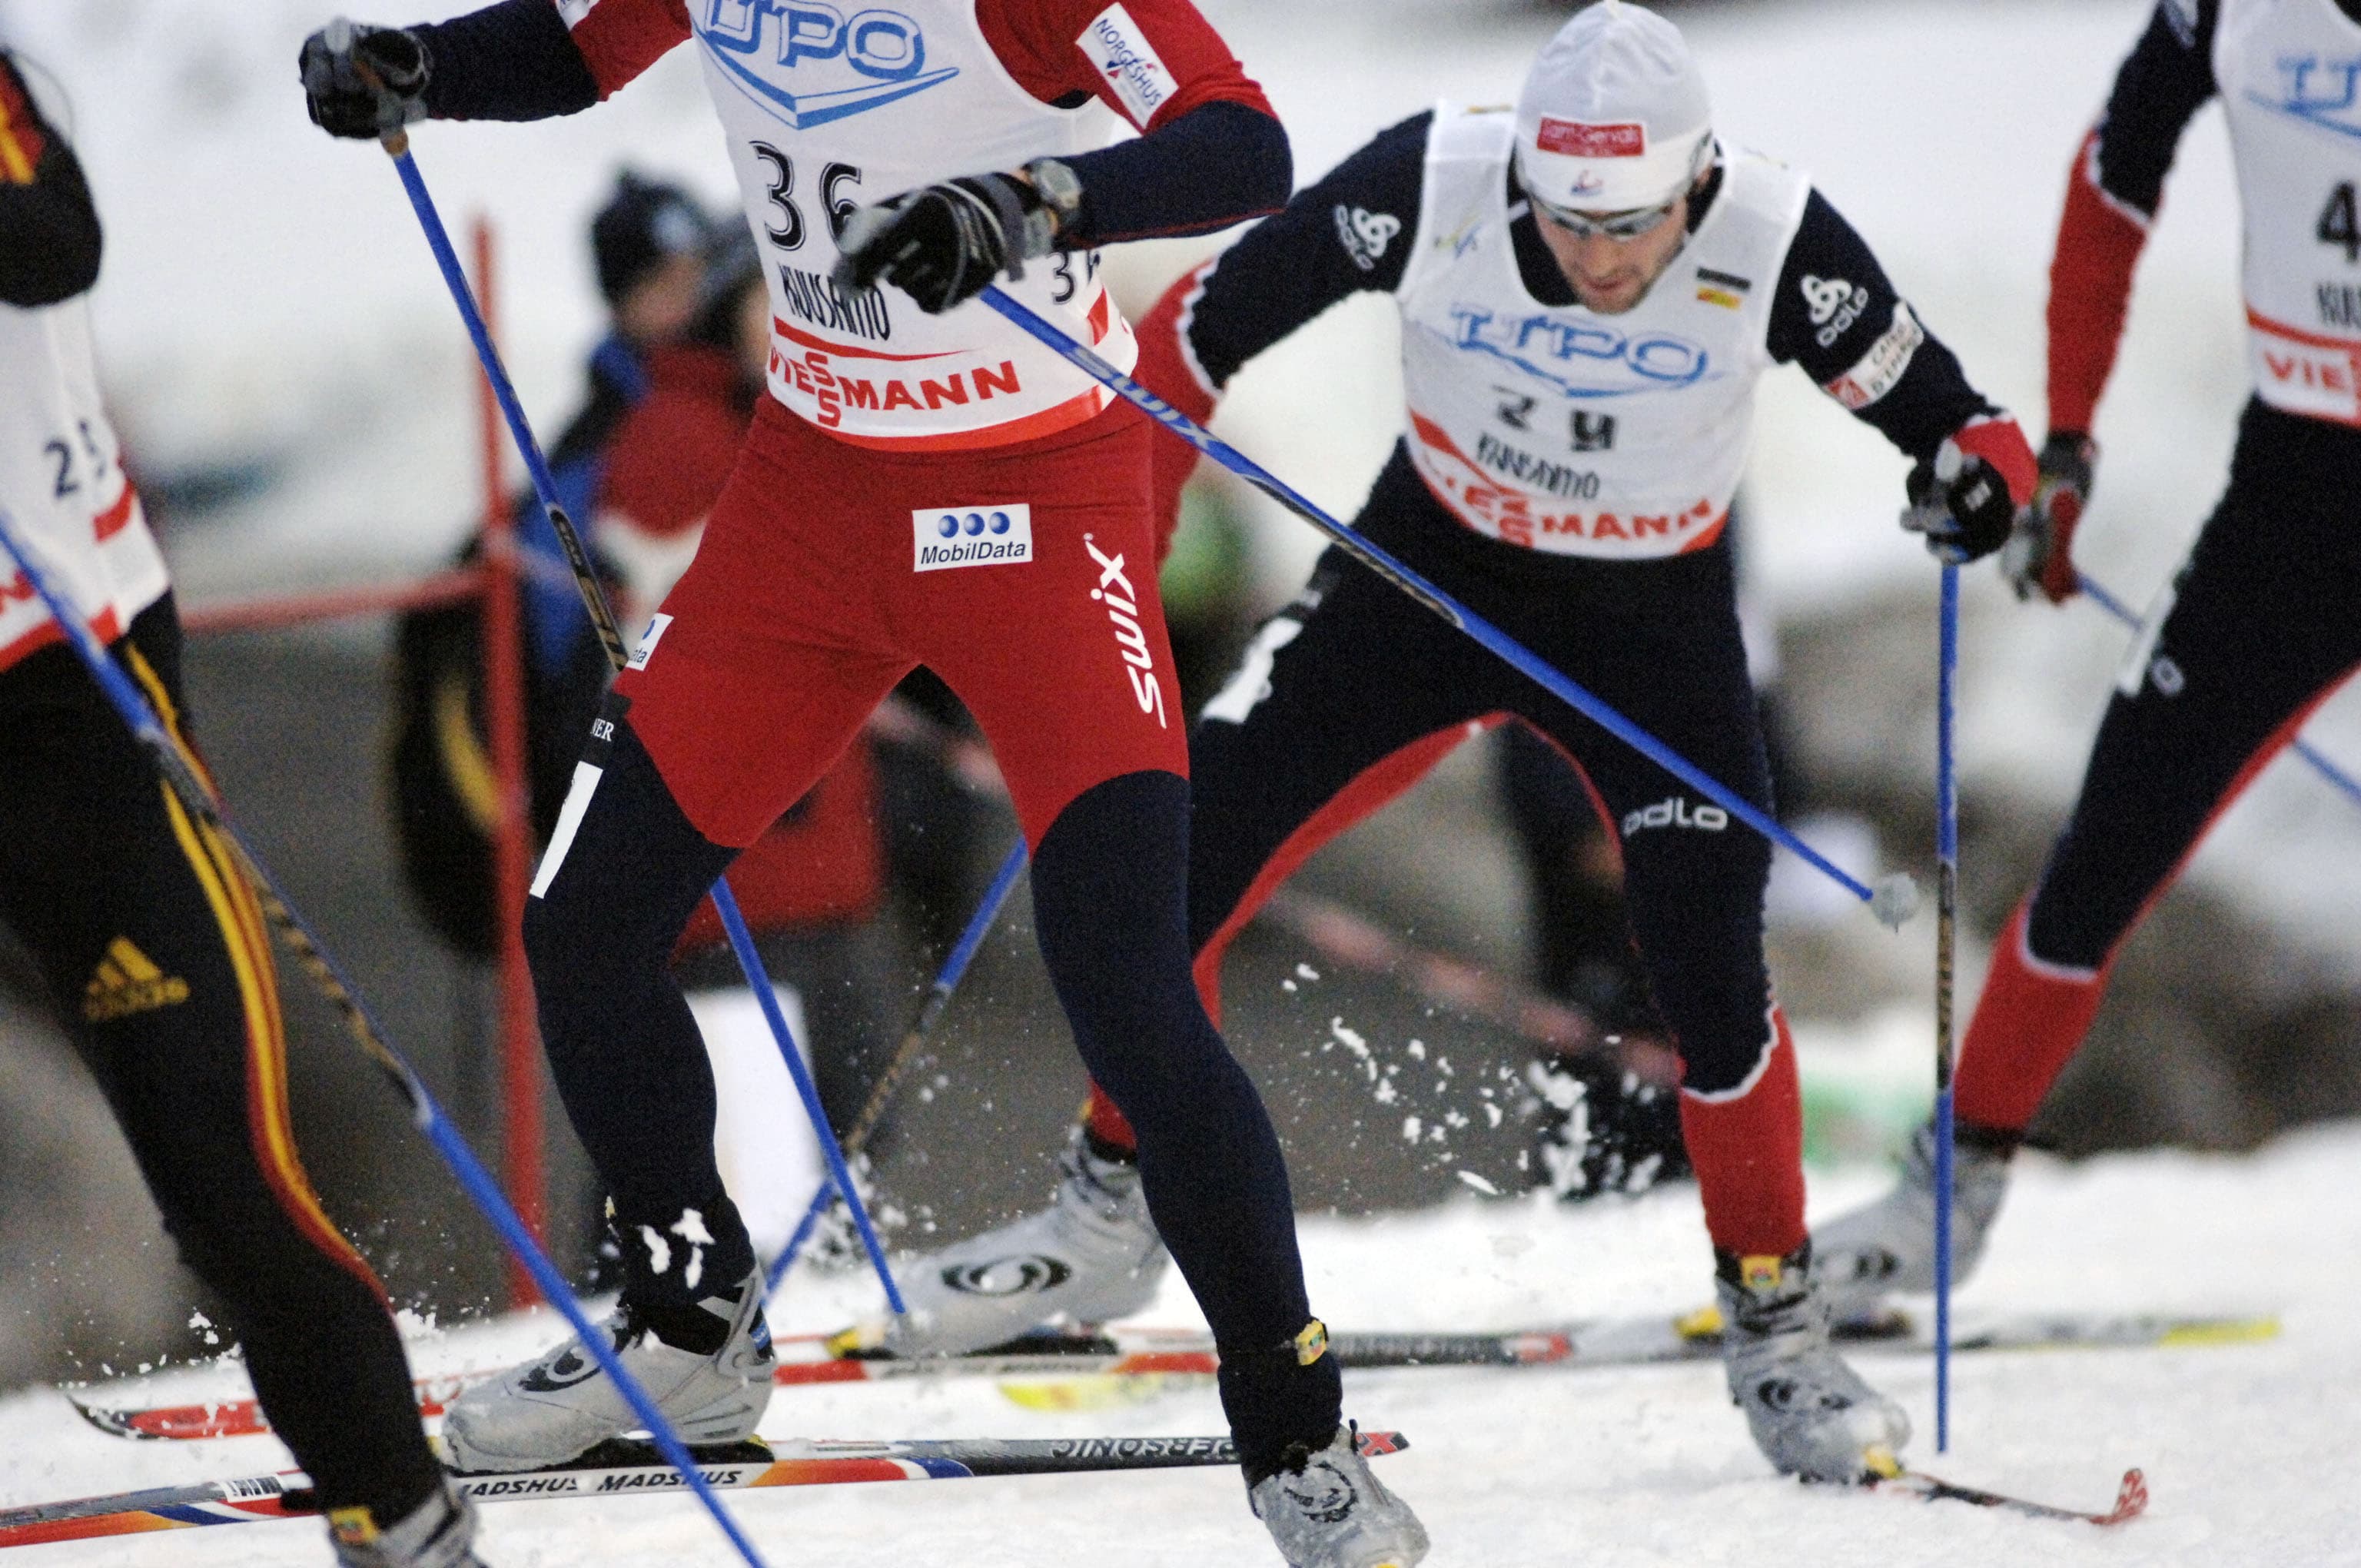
<point>2131,1500</point>
<point>1086,1393</point>
<point>111,1422</point>
<point>2221,1331</point>
<point>1372,1444</point>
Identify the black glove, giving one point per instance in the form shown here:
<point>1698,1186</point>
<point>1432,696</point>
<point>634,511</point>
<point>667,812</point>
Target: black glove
<point>2041,555</point>
<point>1961,502</point>
<point>364,81</point>
<point>942,244</point>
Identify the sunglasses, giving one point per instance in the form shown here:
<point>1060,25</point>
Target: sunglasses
<point>1628,225</point>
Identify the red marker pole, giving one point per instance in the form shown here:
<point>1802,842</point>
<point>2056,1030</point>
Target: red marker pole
<point>512,845</point>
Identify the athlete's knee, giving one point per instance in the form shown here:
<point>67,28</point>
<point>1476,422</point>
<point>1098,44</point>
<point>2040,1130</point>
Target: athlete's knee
<point>1109,907</point>
<point>622,873</point>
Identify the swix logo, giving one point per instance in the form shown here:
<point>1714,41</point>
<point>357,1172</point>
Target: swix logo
<point>840,65</point>
<point>1582,358</point>
<point>1114,591</point>
<point>1675,812</point>
<point>2323,91</point>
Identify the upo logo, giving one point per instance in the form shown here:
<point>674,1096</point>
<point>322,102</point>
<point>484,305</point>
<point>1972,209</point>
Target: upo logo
<point>884,51</point>
<point>1582,358</point>
<point>946,537</point>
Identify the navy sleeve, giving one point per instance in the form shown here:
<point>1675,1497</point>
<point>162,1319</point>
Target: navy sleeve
<point>1348,233</point>
<point>2163,83</point>
<point>514,61</point>
<point>1838,317</point>
<point>1219,164</point>
<point>50,240</point>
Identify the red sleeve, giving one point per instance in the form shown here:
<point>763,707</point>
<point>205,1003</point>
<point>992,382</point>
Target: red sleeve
<point>1167,367</point>
<point>1149,61</point>
<point>620,38</point>
<point>2099,243</point>
<point>669,459</point>
<point>22,139</point>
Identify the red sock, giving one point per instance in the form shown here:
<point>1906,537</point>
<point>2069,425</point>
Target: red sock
<point>1748,1148</point>
<point>2027,1025</point>
<point>1106,1125</point>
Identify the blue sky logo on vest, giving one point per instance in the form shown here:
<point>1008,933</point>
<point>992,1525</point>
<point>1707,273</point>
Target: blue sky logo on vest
<point>2319,92</point>
<point>1582,358</point>
<point>807,62</point>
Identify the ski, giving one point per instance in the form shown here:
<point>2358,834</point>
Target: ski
<point>1136,1356</point>
<point>624,1465</point>
<point>2131,1497</point>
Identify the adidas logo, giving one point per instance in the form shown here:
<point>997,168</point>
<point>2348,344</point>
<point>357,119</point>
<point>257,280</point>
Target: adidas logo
<point>127,982</point>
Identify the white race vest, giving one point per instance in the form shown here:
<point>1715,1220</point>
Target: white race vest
<point>2289,75</point>
<point>1619,436</point>
<point>829,107</point>
<point>61,482</point>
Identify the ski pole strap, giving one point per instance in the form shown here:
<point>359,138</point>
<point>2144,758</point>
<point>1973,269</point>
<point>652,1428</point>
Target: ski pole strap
<point>1890,902</point>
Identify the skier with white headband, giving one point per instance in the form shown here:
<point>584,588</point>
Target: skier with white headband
<point>1590,288</point>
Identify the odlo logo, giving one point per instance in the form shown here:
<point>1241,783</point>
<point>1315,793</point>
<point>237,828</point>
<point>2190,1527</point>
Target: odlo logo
<point>1114,591</point>
<point>1675,812</point>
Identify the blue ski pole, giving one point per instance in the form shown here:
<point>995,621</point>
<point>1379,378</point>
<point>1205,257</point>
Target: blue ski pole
<point>186,782</point>
<point>603,616</point>
<point>939,997</point>
<point>2319,760</point>
<point>1947,883</point>
<point>1893,901</point>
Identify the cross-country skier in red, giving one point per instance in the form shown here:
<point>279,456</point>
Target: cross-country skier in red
<point>1590,287</point>
<point>138,916</point>
<point>924,485</point>
<point>2258,628</point>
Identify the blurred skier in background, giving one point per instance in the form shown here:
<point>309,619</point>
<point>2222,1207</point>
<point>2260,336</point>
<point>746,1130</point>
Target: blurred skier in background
<point>1590,287</point>
<point>2259,627</point>
<point>149,937</point>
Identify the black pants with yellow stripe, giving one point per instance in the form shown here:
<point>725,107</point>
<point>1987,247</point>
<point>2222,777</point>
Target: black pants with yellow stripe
<point>158,957</point>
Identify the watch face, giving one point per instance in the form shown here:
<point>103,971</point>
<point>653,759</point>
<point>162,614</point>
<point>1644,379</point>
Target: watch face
<point>1058,184</point>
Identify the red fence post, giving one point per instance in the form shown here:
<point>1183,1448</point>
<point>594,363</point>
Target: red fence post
<point>513,853</point>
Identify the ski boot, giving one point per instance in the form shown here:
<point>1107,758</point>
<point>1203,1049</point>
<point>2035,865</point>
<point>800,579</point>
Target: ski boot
<point>1889,1245</point>
<point>1325,1510</point>
<point>438,1533</point>
<point>713,1388</point>
<point>1811,1415</point>
<point>1091,1257</point>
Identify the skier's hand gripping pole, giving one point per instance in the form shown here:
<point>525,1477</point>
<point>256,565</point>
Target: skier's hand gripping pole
<point>603,616</point>
<point>188,782</point>
<point>939,997</point>
<point>1893,901</point>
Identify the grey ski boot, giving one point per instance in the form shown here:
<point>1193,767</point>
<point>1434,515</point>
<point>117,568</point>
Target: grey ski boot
<point>553,1408</point>
<point>1888,1246</point>
<point>1091,1257</point>
<point>1811,1414</point>
<point>438,1533</point>
<point>1325,1510</point>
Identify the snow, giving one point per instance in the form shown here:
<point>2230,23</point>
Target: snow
<point>2244,1446</point>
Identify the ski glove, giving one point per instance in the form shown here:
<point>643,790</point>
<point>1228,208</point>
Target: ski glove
<point>2041,554</point>
<point>943,245</point>
<point>363,82</point>
<point>1965,498</point>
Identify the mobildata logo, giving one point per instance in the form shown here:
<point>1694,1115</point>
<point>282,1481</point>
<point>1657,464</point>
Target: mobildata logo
<point>833,64</point>
<point>945,537</point>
